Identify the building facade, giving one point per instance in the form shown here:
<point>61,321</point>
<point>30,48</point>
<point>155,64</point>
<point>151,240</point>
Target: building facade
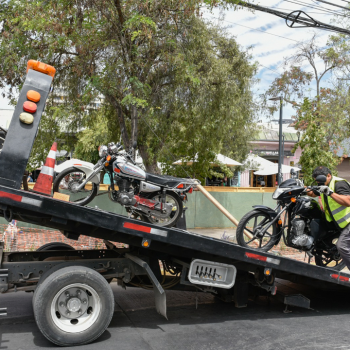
<point>266,145</point>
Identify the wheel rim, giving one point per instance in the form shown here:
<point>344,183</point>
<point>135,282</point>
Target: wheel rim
<point>327,259</point>
<point>254,225</point>
<point>172,217</point>
<point>71,181</point>
<point>75,308</point>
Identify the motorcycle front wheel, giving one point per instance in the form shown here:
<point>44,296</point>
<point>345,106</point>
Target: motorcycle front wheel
<point>170,221</point>
<point>68,180</point>
<point>253,223</point>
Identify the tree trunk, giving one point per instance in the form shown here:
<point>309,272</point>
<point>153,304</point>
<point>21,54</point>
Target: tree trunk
<point>121,120</point>
<point>134,126</point>
<point>150,164</point>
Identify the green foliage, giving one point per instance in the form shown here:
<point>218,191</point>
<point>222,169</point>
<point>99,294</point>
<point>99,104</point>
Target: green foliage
<point>159,69</point>
<point>314,143</point>
<point>323,118</point>
<point>96,134</point>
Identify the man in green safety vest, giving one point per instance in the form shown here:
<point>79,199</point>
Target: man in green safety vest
<point>335,194</point>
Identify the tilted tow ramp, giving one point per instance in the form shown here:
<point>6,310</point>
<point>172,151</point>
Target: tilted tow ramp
<point>73,303</point>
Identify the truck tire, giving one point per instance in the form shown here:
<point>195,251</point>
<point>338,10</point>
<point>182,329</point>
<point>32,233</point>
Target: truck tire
<point>73,306</point>
<point>55,246</point>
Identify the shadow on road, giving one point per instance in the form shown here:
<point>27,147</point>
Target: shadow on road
<point>212,325</point>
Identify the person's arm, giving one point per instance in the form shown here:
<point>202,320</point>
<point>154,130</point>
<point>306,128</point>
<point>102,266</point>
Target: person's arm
<point>341,193</point>
<point>341,199</point>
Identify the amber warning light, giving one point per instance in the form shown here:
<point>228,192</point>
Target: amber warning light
<point>41,67</point>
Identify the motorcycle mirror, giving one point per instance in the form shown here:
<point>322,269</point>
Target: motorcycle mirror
<point>321,179</point>
<point>134,145</point>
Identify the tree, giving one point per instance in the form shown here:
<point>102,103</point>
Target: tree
<point>323,117</point>
<point>135,55</point>
<point>293,82</point>
<point>314,142</point>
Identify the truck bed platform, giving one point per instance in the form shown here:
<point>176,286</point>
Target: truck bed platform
<point>73,302</point>
<point>74,220</point>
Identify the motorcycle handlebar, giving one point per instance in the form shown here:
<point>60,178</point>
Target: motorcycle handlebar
<point>311,188</point>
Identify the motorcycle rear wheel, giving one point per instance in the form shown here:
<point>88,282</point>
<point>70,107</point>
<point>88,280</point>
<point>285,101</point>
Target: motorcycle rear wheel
<point>70,178</point>
<point>252,222</point>
<point>170,221</point>
<point>325,259</point>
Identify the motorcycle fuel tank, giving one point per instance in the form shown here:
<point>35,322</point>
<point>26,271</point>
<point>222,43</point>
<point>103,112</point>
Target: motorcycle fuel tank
<point>129,169</point>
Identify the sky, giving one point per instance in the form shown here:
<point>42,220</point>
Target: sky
<point>268,37</point>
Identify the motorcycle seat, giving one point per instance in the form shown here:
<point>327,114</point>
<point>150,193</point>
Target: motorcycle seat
<point>166,180</point>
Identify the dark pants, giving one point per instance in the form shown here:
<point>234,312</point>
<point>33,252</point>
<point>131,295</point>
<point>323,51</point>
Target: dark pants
<point>343,245</point>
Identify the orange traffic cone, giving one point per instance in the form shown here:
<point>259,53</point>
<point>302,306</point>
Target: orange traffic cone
<point>44,182</point>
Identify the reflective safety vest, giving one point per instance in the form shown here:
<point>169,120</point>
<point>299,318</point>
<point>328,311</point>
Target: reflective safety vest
<point>340,213</point>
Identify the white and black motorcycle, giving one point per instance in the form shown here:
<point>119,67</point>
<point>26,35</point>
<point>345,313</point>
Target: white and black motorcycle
<point>152,198</point>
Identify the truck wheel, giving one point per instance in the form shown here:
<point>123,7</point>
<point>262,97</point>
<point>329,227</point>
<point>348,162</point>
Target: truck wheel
<point>73,306</point>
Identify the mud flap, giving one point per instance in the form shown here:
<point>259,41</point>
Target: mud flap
<point>159,292</point>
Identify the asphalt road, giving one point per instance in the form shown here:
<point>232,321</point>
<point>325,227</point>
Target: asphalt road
<point>213,325</point>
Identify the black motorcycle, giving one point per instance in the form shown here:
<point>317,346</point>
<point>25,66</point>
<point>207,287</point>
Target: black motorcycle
<point>298,219</point>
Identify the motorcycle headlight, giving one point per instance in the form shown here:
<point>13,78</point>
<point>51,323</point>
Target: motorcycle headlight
<point>279,191</point>
<point>102,151</point>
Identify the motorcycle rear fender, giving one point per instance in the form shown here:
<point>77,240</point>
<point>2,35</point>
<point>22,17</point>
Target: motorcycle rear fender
<point>87,167</point>
<point>266,210</point>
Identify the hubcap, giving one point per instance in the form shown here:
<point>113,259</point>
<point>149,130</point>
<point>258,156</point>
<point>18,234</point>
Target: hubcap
<point>75,308</point>
<point>73,304</point>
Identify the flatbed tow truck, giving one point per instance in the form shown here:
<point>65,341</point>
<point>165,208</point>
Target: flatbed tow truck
<point>73,303</point>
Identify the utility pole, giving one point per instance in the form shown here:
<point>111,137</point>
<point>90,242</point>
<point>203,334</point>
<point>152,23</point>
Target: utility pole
<point>280,151</point>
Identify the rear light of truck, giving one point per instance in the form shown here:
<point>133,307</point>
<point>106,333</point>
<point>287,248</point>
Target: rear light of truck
<point>341,278</point>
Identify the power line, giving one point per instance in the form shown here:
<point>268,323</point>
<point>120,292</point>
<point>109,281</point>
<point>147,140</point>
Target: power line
<point>329,3</point>
<point>259,30</point>
<point>299,17</point>
<point>320,8</point>
<point>316,13</point>
<point>317,7</point>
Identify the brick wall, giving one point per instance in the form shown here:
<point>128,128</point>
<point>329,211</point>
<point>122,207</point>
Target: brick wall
<point>25,238</point>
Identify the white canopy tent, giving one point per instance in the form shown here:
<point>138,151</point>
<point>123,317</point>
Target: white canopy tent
<point>273,169</point>
<point>265,167</point>
<point>254,162</point>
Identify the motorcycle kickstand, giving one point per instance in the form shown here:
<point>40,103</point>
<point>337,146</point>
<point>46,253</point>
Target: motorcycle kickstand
<point>310,256</point>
